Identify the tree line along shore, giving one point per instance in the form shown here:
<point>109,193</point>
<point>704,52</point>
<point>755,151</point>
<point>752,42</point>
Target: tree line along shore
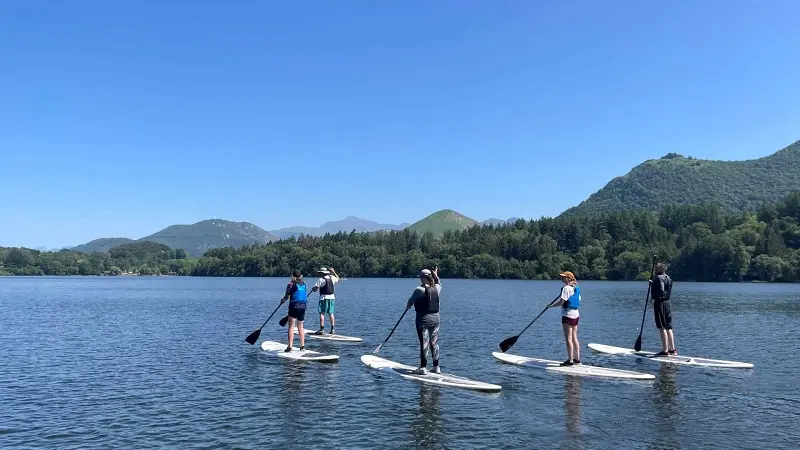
<point>699,242</point>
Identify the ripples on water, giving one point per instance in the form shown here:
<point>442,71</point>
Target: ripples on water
<point>162,362</point>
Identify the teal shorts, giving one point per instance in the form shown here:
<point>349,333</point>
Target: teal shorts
<point>325,306</point>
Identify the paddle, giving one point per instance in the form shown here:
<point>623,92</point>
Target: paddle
<point>638,345</point>
<point>255,334</point>
<point>377,349</point>
<point>505,345</point>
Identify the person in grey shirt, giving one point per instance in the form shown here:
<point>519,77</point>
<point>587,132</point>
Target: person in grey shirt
<point>425,300</point>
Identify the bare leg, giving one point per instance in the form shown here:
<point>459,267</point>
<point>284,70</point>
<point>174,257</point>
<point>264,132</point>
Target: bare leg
<point>576,346</point>
<point>670,340</point>
<point>663,333</point>
<point>291,331</point>
<point>568,340</point>
<point>333,324</point>
<point>321,321</point>
<point>302,332</point>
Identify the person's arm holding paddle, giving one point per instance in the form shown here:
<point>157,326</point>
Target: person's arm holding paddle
<point>333,272</point>
<point>288,293</point>
<point>560,300</point>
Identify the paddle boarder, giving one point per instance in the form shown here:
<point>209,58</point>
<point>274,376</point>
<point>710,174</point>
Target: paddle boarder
<point>425,300</point>
<point>661,290</point>
<point>569,301</point>
<point>326,286</point>
<point>296,291</point>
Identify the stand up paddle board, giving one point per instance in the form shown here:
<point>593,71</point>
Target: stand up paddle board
<point>277,349</point>
<point>438,379</point>
<point>331,337</point>
<point>579,369</point>
<point>687,360</point>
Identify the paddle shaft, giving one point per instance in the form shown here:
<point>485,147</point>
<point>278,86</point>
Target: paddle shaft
<point>646,300</point>
<point>540,314</point>
<point>395,327</point>
<point>270,316</point>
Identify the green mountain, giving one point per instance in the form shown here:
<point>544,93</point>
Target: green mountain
<point>196,239</point>
<point>101,245</point>
<point>441,221</point>
<point>200,237</point>
<point>736,185</point>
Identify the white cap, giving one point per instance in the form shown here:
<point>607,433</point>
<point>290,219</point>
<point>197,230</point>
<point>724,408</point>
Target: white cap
<point>424,272</point>
<point>323,270</point>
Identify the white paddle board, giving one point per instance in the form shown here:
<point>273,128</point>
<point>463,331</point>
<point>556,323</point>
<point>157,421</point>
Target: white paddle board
<point>277,349</point>
<point>331,337</point>
<point>437,379</point>
<point>687,360</point>
<point>579,369</point>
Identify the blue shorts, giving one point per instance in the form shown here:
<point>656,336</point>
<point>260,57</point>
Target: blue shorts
<point>325,306</point>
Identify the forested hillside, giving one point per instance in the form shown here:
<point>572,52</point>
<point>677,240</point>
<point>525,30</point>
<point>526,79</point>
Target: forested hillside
<point>736,185</point>
<point>145,258</point>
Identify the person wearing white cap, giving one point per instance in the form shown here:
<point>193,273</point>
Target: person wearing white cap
<point>425,300</point>
<point>325,286</point>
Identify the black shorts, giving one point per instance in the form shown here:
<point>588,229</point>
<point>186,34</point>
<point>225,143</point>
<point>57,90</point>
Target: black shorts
<point>663,315</point>
<point>297,313</point>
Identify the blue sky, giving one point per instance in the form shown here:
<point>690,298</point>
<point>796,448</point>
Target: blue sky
<point>120,118</point>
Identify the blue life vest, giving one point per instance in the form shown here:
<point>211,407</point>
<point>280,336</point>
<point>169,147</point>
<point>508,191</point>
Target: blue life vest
<point>299,296</point>
<point>575,300</point>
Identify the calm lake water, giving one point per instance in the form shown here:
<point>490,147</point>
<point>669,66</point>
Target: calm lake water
<point>162,362</point>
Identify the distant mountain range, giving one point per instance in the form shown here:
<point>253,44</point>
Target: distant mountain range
<point>347,224</point>
<point>497,222</point>
<point>736,185</point>
<point>200,237</point>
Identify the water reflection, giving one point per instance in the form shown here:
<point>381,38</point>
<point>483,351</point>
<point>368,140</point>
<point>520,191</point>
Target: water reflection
<point>572,404</point>
<point>292,380</point>
<point>667,407</point>
<point>426,424</point>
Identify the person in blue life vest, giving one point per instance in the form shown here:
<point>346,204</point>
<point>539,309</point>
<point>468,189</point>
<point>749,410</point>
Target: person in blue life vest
<point>661,290</point>
<point>298,298</point>
<point>569,301</point>
<point>425,300</point>
<point>326,285</point>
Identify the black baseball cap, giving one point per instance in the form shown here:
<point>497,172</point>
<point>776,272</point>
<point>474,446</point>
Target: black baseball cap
<point>297,273</point>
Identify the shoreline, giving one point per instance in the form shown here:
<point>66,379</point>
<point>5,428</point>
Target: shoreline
<point>385,278</point>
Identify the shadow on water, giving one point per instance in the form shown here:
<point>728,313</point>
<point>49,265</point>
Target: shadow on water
<point>426,423</point>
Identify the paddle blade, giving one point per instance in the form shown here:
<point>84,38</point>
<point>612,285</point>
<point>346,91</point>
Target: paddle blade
<point>377,349</point>
<point>283,321</point>
<point>505,345</point>
<point>253,337</point>
<point>638,345</point>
